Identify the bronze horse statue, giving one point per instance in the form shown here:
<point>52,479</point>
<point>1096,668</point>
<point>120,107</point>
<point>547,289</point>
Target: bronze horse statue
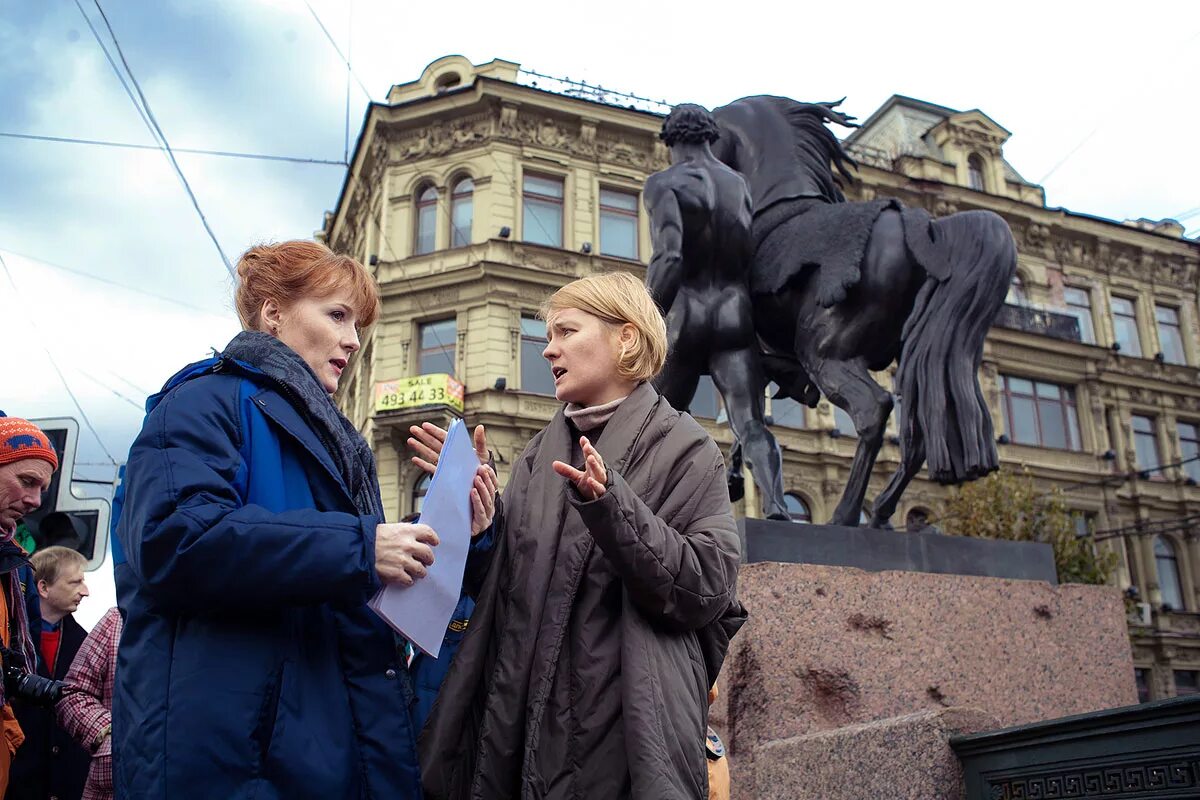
<point>840,289</point>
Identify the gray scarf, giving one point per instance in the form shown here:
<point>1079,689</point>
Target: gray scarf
<point>296,381</point>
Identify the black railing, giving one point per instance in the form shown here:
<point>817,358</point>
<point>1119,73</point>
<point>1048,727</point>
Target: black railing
<point>1042,323</point>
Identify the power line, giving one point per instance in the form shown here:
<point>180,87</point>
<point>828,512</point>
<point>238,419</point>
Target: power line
<point>99,382</point>
<point>110,282</point>
<point>149,117</point>
<point>188,150</point>
<point>338,50</point>
<point>54,364</point>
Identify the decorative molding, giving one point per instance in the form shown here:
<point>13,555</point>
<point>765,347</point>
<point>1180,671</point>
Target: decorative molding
<point>1144,780</point>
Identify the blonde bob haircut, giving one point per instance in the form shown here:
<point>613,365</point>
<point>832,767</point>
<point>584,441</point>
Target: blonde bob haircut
<point>618,298</point>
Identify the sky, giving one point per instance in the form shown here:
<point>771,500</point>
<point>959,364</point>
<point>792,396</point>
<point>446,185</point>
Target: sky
<point>112,282</point>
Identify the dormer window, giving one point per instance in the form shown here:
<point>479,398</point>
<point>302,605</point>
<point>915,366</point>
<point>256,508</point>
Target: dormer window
<point>975,173</point>
<point>448,81</point>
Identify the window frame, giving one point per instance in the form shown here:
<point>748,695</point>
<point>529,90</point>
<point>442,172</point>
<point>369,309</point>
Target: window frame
<point>440,348</point>
<point>560,201</point>
<point>802,518</point>
<point>1066,400</point>
<point>420,205</point>
<point>1132,317</point>
<point>419,490</point>
<point>1081,312</point>
<point>976,166</point>
<point>1155,474</point>
<point>523,340</point>
<point>1177,327</point>
<point>457,197</point>
<point>633,216</point>
<point>1192,468</point>
<point>1178,601</point>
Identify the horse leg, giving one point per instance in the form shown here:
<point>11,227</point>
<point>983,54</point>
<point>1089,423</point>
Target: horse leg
<point>912,458</point>
<point>739,377</point>
<point>849,386</point>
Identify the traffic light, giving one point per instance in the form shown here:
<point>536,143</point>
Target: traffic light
<point>80,523</point>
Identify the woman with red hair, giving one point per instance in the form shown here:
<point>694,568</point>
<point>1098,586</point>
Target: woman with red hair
<point>249,538</point>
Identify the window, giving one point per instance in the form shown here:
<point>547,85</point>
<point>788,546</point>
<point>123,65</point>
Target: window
<point>1189,447</point>
<point>706,402</point>
<point>462,209</point>
<point>425,238</point>
<point>542,201</point>
<point>975,173</point>
<point>1079,306</point>
<point>843,423</point>
<point>535,370</point>
<point>1186,682</point>
<point>1145,445</point>
<point>1016,292</point>
<point>1125,326</point>
<point>618,224</point>
<point>1084,522</point>
<point>437,347</point>
<point>785,411</point>
<point>1040,413</point>
<point>1169,585</point>
<point>797,509</point>
<point>419,492</point>
<point>1141,677</point>
<point>1170,338</point>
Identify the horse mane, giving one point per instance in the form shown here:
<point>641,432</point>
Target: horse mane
<point>816,146</point>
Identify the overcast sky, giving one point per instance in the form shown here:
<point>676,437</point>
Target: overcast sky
<point>1112,90</point>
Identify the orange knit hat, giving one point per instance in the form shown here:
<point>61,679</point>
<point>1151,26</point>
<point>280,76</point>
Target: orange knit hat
<point>21,439</point>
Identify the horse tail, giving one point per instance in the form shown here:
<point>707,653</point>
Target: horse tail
<point>969,259</point>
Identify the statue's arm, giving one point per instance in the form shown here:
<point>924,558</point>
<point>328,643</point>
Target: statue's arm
<point>665,274</point>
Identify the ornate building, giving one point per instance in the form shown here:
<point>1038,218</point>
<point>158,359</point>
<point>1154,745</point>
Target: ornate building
<point>477,190</point>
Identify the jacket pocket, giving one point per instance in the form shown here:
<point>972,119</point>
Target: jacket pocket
<point>264,729</point>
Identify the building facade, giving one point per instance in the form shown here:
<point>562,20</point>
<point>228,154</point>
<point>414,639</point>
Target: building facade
<point>477,190</point>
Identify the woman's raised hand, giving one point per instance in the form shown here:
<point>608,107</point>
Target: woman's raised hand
<point>427,440</point>
<point>483,499</point>
<point>590,481</point>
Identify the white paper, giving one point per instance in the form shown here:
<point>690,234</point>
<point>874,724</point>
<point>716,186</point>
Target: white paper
<point>422,612</point>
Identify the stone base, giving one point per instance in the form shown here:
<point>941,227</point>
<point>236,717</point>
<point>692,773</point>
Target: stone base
<point>902,758</point>
<point>829,647</point>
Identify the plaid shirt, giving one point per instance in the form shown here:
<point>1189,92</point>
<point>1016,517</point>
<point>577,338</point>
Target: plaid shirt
<point>86,708</point>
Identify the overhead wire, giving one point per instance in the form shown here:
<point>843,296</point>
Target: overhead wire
<point>54,363</point>
<point>110,282</point>
<point>188,150</point>
<point>156,129</point>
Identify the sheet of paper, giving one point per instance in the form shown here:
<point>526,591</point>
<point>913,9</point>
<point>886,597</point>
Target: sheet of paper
<point>422,612</point>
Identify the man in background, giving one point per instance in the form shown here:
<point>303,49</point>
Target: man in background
<point>50,764</point>
<point>27,462</point>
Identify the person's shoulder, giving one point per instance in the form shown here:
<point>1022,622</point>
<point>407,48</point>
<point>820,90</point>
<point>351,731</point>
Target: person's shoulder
<point>680,430</point>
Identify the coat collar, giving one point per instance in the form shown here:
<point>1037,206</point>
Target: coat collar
<point>277,409</point>
<point>620,434</point>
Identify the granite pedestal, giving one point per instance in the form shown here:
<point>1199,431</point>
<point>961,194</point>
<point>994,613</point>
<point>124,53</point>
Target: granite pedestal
<point>828,647</point>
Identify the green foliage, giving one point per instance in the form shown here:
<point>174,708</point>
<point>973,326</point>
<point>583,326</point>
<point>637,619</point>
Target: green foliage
<point>1006,505</point>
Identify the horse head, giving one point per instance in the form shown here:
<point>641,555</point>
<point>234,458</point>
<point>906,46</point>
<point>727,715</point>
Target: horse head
<point>783,148</point>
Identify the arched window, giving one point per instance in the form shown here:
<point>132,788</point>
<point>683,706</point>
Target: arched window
<point>462,209</point>
<point>797,508</point>
<point>975,173</point>
<point>1169,584</point>
<point>425,238</point>
<point>419,491</point>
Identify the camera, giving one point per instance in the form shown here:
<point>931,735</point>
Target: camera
<point>26,685</point>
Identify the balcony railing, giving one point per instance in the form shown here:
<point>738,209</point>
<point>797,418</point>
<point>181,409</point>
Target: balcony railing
<point>591,92</point>
<point>1038,321</point>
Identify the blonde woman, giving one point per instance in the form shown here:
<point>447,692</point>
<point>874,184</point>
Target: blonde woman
<point>609,603</point>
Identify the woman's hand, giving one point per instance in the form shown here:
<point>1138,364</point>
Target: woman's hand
<point>403,552</point>
<point>427,440</point>
<point>591,480</point>
<point>483,499</point>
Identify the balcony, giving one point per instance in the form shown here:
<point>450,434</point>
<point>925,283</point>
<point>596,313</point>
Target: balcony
<point>1039,322</point>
